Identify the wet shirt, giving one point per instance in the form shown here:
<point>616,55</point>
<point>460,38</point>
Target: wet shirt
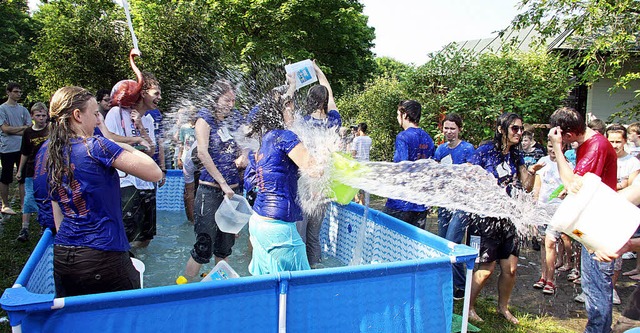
<point>32,140</point>
<point>222,149</point>
<point>460,154</point>
<point>503,167</point>
<point>249,183</point>
<point>91,203</point>
<point>412,144</point>
<point>333,120</point>
<point>596,155</point>
<point>277,177</point>
<point>40,192</point>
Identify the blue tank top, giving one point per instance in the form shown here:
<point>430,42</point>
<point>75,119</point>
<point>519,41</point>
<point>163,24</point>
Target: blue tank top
<point>91,204</point>
<point>411,144</point>
<point>222,149</point>
<point>277,177</point>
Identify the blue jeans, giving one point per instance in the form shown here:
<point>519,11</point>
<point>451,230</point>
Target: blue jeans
<point>451,226</point>
<point>598,291</point>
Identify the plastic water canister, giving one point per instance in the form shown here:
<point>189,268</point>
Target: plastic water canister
<point>597,216</point>
<point>233,214</point>
<point>304,72</point>
<point>221,271</point>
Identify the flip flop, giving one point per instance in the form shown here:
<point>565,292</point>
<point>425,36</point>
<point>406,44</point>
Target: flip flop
<point>8,211</point>
<point>635,277</point>
<point>634,271</point>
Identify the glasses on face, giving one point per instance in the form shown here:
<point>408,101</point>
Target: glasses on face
<point>515,128</point>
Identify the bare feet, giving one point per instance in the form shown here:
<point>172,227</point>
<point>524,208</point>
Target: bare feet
<point>473,316</point>
<point>634,271</point>
<point>508,316</point>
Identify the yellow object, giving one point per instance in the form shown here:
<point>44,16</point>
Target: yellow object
<point>181,280</point>
<point>344,166</point>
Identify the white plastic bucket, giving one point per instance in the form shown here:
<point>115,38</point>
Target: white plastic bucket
<point>304,72</point>
<point>139,265</point>
<point>597,216</point>
<point>233,214</point>
<point>221,271</point>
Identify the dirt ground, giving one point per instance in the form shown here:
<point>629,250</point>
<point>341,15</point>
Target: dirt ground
<point>525,298</point>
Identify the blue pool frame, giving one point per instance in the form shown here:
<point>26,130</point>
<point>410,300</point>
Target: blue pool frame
<point>406,286</point>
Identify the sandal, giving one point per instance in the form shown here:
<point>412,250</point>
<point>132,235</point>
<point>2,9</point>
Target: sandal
<point>574,274</point>
<point>564,268</point>
<point>540,284</point>
<point>549,288</point>
<point>632,272</point>
<point>577,281</point>
<point>635,277</point>
<point>7,210</point>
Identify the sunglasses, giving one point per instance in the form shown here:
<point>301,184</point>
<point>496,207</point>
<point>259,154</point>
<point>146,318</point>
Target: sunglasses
<point>515,129</point>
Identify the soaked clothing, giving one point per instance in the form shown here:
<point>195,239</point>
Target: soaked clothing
<point>91,205</point>
<point>498,237</point>
<point>458,155</point>
<point>40,192</point>
<point>596,155</point>
<point>277,247</point>
<point>222,149</point>
<point>276,177</point>
<point>333,120</point>
<point>411,144</point>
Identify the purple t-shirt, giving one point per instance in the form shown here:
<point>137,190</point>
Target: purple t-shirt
<point>91,204</point>
<point>40,192</point>
<point>411,144</point>
<point>222,149</point>
<point>277,177</point>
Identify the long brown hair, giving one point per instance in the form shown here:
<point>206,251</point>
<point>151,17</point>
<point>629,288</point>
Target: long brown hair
<point>63,102</point>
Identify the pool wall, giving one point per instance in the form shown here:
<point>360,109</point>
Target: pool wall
<point>401,282</point>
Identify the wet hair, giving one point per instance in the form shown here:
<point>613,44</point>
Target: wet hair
<point>63,102</point>
<point>363,127</point>
<point>616,128</point>
<point>569,120</point>
<point>454,118</point>
<point>101,93</point>
<point>317,99</point>
<point>598,125</point>
<point>502,129</point>
<point>39,106</point>
<point>634,128</point>
<point>412,109</point>
<point>218,89</point>
<point>13,85</point>
<point>269,115</point>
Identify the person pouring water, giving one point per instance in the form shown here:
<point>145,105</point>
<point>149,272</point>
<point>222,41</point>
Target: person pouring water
<point>277,245</point>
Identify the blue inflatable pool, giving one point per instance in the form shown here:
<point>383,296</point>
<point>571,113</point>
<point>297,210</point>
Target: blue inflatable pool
<point>399,280</point>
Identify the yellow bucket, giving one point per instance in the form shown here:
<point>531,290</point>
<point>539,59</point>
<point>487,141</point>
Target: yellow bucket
<point>344,166</point>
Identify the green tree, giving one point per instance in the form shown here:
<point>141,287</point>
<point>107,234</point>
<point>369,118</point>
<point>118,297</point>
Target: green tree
<point>83,43</point>
<point>389,67</point>
<point>18,39</point>
<point>604,35</point>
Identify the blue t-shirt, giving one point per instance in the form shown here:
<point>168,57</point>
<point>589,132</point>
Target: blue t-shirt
<point>91,207</point>
<point>222,149</point>
<point>503,167</point>
<point>250,173</point>
<point>458,155</point>
<point>412,144</point>
<point>333,120</point>
<point>277,177</point>
<point>158,132</point>
<point>40,193</point>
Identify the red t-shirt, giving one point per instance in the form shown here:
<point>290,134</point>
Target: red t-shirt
<point>596,155</point>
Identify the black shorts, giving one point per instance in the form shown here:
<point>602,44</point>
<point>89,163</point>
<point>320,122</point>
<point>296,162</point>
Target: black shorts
<point>8,161</point>
<point>498,238</point>
<point>82,270</point>
<point>210,240</point>
<point>138,213</point>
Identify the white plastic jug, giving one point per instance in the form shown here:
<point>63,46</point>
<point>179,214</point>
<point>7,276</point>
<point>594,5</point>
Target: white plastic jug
<point>597,216</point>
<point>221,271</point>
<point>233,214</point>
<point>304,72</point>
<point>139,266</point>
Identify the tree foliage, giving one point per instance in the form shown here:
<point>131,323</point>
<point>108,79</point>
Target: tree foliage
<point>81,43</point>
<point>604,35</point>
<point>18,38</point>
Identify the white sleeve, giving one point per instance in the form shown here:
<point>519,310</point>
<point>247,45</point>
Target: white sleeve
<point>112,121</point>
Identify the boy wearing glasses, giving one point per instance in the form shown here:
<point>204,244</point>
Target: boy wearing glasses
<point>103,97</point>
<point>14,120</point>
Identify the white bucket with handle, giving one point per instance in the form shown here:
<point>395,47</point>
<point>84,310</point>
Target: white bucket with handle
<point>233,214</point>
<point>597,216</point>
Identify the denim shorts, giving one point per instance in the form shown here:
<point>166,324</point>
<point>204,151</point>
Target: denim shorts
<point>29,205</point>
